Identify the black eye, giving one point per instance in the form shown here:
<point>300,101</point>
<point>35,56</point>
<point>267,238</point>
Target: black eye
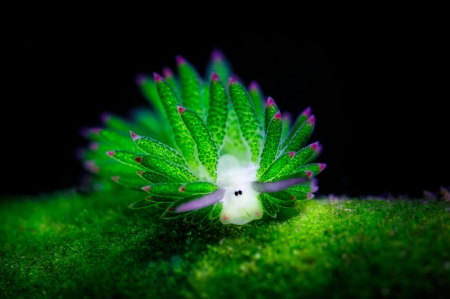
<point>236,193</point>
<point>240,192</point>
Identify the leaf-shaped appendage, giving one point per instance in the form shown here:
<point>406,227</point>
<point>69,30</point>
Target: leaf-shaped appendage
<point>209,150</point>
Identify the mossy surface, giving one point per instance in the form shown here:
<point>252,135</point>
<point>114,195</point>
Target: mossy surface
<point>82,246</point>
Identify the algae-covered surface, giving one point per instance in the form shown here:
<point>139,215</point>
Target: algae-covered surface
<point>82,246</point>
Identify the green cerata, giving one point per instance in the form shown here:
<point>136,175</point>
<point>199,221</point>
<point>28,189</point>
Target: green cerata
<point>209,150</point>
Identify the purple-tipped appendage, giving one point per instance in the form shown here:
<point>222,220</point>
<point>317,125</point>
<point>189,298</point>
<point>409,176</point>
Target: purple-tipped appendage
<point>105,117</point>
<point>315,145</point>
<point>307,111</point>
<point>180,59</point>
<point>134,136</point>
<point>167,72</point>
<point>139,79</point>
<point>216,55</point>
<point>215,77</point>
<point>93,146</point>
<point>181,109</point>
<point>287,116</point>
<point>157,77</point>
<point>253,85</point>
<point>276,186</point>
<point>200,203</point>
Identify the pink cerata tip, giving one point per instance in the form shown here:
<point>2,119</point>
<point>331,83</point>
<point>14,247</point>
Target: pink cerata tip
<point>134,135</point>
<point>215,77</point>
<point>180,59</point>
<point>157,77</point>
<point>181,109</point>
<point>115,178</point>
<point>231,80</point>
<point>307,111</point>
<point>311,119</point>
<point>110,153</point>
<point>270,101</point>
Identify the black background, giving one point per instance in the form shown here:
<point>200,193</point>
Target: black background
<point>379,98</point>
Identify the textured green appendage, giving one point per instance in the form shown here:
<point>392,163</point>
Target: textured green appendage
<point>154,126</point>
<point>170,78</point>
<point>180,190</point>
<point>117,123</point>
<point>206,100</point>
<point>300,132</point>
<point>286,120</point>
<point>156,148</point>
<point>271,145</point>
<point>218,111</point>
<point>258,102</point>
<point>301,136</point>
<point>167,168</point>
<point>153,177</point>
<point>199,188</point>
<point>182,136</point>
<point>314,168</point>
<point>133,181</point>
<point>191,86</point>
<point>270,209</point>
<point>304,188</point>
<point>110,168</point>
<point>114,138</point>
<point>150,91</point>
<point>276,167</point>
<point>161,199</point>
<point>305,171</point>
<point>166,190</point>
<point>126,157</point>
<point>298,160</point>
<point>219,65</point>
<point>290,195</point>
<point>248,121</point>
<point>206,147</point>
<point>142,204</point>
<point>282,195</point>
<point>270,111</point>
<point>200,215</point>
<point>170,211</point>
<point>281,203</point>
<point>215,212</point>
<point>234,142</point>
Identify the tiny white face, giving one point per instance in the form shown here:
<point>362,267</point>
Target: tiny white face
<point>240,204</point>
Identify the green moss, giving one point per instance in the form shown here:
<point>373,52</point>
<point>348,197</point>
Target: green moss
<point>70,245</point>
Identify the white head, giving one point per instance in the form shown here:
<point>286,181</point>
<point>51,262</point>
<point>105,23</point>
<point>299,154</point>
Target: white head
<point>240,203</point>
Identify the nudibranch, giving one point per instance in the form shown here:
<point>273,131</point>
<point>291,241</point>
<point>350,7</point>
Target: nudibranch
<point>209,150</point>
